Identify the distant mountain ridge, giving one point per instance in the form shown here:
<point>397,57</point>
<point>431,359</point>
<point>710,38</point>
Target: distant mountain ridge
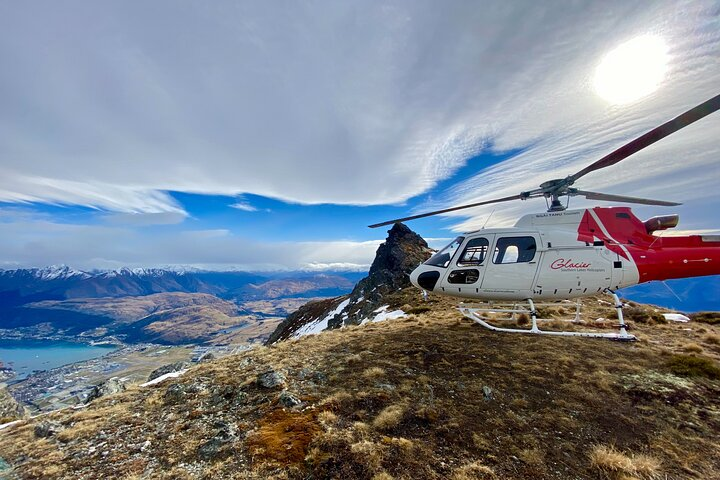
<point>60,282</point>
<point>151,304</point>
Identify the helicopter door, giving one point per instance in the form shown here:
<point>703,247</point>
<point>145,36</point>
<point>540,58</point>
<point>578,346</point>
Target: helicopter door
<point>466,274</point>
<point>513,265</point>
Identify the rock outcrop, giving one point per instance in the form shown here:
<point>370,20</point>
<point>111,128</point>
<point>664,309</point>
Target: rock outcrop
<point>402,251</point>
<point>108,387</point>
<point>10,409</point>
<point>165,369</point>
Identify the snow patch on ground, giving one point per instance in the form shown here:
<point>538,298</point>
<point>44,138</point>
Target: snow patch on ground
<point>162,378</point>
<point>676,317</point>
<point>318,326</point>
<point>383,314</point>
<point>9,424</point>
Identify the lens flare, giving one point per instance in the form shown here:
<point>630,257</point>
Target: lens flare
<point>632,71</point>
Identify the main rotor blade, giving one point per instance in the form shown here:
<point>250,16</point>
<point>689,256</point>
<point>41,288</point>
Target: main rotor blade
<point>436,212</point>
<point>622,198</point>
<point>657,133</point>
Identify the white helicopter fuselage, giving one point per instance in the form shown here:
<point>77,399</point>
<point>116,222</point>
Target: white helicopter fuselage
<point>566,254</point>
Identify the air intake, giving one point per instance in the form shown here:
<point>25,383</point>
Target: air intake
<point>662,222</point>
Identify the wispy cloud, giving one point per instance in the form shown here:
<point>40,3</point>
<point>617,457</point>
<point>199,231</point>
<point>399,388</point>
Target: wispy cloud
<point>35,241</point>
<point>244,206</point>
<point>337,103</point>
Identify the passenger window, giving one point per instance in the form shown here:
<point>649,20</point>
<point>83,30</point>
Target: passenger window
<point>514,250</point>
<point>475,252</point>
<point>443,257</point>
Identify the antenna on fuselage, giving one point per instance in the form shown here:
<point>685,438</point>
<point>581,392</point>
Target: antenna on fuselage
<point>487,219</point>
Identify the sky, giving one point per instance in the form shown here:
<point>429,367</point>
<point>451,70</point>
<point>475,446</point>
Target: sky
<point>268,135</point>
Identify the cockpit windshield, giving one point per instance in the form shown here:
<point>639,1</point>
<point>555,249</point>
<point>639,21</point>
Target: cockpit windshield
<point>443,257</point>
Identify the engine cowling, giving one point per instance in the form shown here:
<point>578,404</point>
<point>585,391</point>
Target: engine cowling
<point>661,222</point>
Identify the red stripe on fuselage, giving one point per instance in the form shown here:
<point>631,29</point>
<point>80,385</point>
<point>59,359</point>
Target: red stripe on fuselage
<point>657,258</point>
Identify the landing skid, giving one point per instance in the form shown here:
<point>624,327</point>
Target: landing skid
<point>476,313</point>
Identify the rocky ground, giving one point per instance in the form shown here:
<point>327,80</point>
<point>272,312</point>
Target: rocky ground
<point>430,395</point>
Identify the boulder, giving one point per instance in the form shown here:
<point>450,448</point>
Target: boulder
<point>165,369</point>
<point>46,429</point>
<point>218,447</point>
<point>207,357</point>
<point>271,379</point>
<point>108,387</point>
<point>288,400</point>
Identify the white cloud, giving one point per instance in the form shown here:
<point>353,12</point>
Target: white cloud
<point>109,105</point>
<point>28,240</point>
<point>244,206</point>
<point>144,219</point>
<point>336,267</point>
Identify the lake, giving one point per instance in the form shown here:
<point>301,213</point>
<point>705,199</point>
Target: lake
<point>24,356</point>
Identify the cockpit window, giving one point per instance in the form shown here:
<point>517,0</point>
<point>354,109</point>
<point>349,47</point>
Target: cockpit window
<point>475,252</point>
<point>443,257</point>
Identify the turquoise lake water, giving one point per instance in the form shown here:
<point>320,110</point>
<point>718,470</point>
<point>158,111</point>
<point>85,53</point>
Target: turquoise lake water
<point>25,356</point>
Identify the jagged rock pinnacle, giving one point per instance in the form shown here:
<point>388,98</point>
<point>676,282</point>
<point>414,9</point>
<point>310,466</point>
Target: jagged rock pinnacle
<point>401,252</point>
<point>396,257</point>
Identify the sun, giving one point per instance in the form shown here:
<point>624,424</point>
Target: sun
<point>632,71</point>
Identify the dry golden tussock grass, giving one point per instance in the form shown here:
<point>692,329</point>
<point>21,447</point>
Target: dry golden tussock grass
<point>368,453</point>
<point>390,417</point>
<point>473,471</point>
<point>374,373</point>
<point>327,418</point>
<point>382,476</point>
<point>336,400</point>
<point>614,464</point>
<point>692,348</point>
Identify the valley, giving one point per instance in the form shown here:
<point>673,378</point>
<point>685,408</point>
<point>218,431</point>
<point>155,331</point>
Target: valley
<point>43,307</point>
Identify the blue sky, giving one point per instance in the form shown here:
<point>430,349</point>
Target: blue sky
<point>128,130</point>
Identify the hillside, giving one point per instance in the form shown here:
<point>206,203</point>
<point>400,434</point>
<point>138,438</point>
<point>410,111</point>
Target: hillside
<point>124,310</point>
<point>171,318</point>
<point>430,395</point>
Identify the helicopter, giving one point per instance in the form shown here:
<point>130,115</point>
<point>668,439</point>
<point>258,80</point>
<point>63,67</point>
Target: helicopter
<point>564,254</point>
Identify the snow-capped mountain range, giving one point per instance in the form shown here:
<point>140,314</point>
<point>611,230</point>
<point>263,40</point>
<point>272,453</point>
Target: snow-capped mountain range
<point>61,282</point>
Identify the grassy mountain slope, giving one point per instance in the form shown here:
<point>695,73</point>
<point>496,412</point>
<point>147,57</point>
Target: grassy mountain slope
<point>430,396</point>
<point>125,310</point>
<point>163,317</point>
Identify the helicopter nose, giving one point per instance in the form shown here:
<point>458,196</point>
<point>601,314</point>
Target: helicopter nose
<point>414,277</point>
<point>424,277</point>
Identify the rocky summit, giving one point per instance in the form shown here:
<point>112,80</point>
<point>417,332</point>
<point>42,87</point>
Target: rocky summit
<point>402,251</point>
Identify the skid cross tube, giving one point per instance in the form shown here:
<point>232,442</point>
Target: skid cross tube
<point>476,314</point>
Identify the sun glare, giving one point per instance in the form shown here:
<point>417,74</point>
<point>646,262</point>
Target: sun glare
<point>632,70</point>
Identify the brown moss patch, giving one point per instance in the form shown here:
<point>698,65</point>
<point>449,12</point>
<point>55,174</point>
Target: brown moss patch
<point>283,437</point>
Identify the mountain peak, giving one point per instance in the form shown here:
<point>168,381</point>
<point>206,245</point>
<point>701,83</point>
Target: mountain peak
<point>401,252</point>
<point>396,257</point>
